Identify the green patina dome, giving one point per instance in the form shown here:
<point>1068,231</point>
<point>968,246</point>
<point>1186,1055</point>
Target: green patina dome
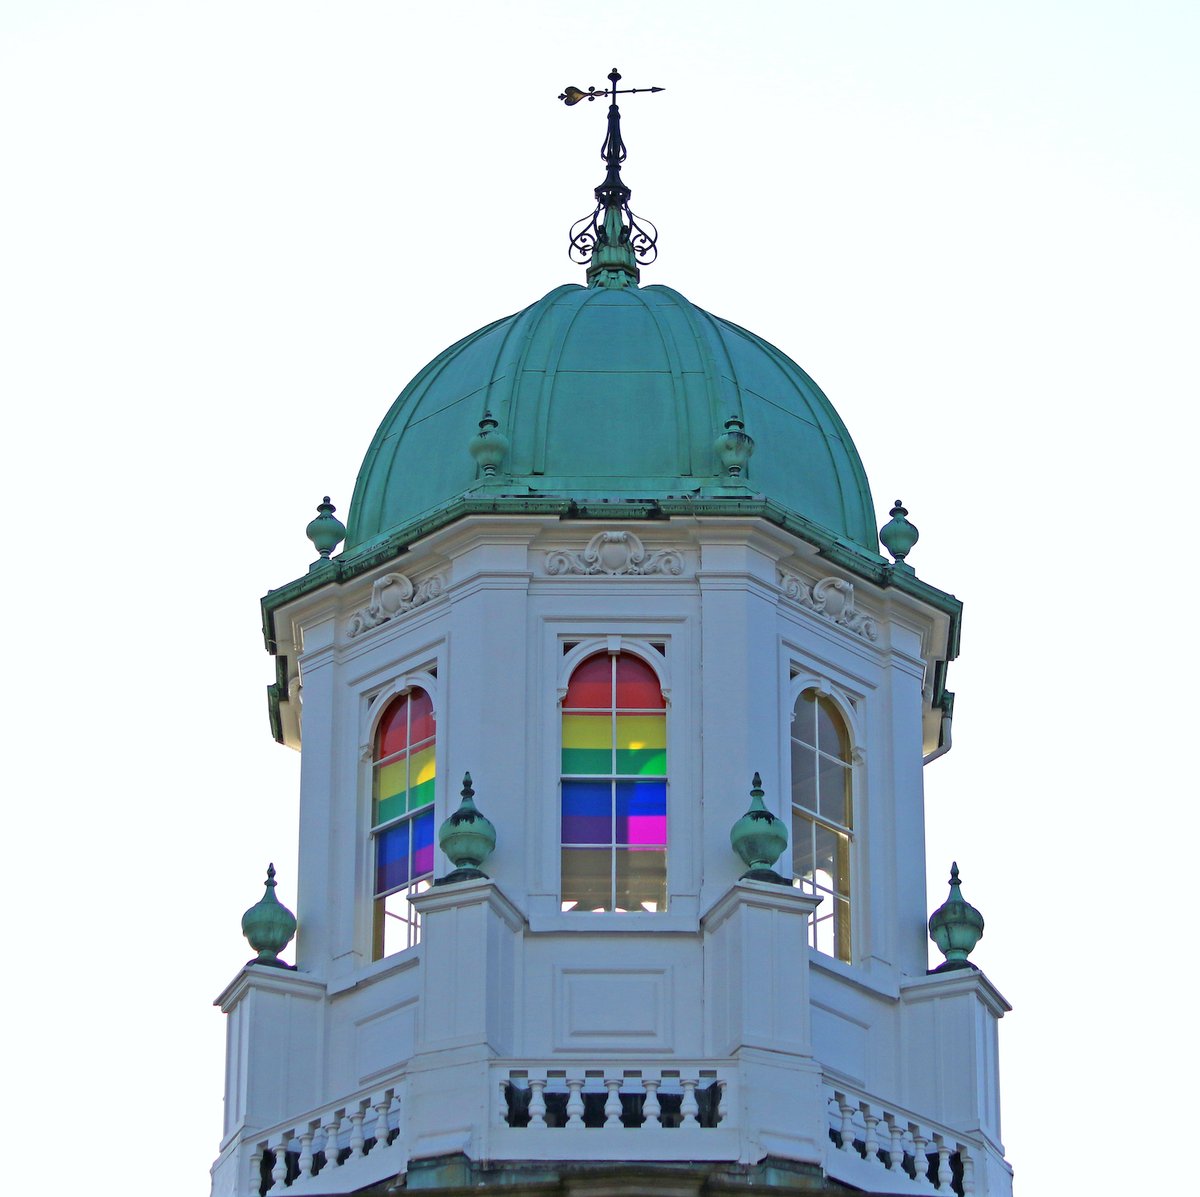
<point>615,393</point>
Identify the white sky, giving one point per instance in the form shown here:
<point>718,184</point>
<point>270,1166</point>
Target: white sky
<point>233,231</point>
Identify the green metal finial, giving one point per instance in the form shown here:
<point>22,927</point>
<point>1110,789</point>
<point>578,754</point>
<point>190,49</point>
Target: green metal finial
<point>269,926</point>
<point>326,532</point>
<point>611,241</point>
<point>898,535</point>
<point>759,838</point>
<point>956,927</point>
<point>489,446</point>
<point>734,448</point>
<point>467,837</point>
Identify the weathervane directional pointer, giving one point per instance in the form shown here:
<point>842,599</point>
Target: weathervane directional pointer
<point>604,227</point>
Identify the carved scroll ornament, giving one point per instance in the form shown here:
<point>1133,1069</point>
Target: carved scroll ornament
<point>615,554</point>
<point>392,595</point>
<point>832,598</point>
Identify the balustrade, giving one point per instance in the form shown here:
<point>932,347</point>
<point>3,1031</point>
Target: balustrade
<point>362,1128</point>
<point>908,1155</point>
<point>613,1098</point>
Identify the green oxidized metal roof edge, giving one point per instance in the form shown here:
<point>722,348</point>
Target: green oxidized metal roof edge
<point>869,566</point>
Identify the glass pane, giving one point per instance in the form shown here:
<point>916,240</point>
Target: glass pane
<point>392,734</point>
<point>803,860</point>
<point>591,684</point>
<point>637,685</point>
<point>641,812</point>
<point>641,744</point>
<point>804,725</point>
<point>841,930</point>
<point>391,787</point>
<point>587,879</point>
<point>421,772</point>
<point>397,924</point>
<point>587,812</point>
<point>831,730</point>
<point>391,858</point>
<point>587,744</point>
<point>833,787</point>
<point>826,848</point>
<point>804,777</point>
<point>641,879</point>
<point>422,843</point>
<point>421,711</point>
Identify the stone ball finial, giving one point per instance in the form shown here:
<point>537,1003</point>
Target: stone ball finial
<point>489,446</point>
<point>956,927</point>
<point>269,925</point>
<point>734,448</point>
<point>326,531</point>
<point>467,837</point>
<point>898,535</point>
<point>759,838</point>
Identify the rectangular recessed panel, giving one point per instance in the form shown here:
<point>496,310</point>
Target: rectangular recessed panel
<point>598,1008</point>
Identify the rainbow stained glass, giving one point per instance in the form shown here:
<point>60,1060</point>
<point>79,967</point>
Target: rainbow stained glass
<point>614,789</point>
<point>404,780</point>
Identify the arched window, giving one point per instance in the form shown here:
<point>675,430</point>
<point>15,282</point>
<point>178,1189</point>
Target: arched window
<point>823,817</point>
<point>614,787</point>
<point>402,783</point>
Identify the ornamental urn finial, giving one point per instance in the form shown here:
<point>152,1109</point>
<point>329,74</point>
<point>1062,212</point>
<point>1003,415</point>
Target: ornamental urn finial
<point>326,532</point>
<point>489,446</point>
<point>269,926</point>
<point>467,837</point>
<point>734,448</point>
<point>956,927</point>
<point>759,838</point>
<point>898,535</point>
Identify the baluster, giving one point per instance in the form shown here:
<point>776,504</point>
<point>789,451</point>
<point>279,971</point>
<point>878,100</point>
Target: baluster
<point>279,1171</point>
<point>689,1107</point>
<point>537,1101</point>
<point>651,1110</point>
<point>895,1151</point>
<point>612,1103</point>
<point>356,1132</point>
<point>943,1165</point>
<point>382,1102</point>
<point>306,1151</point>
<point>920,1147</point>
<point>870,1144</point>
<point>847,1112</point>
<point>503,1109</point>
<point>256,1163</point>
<point>332,1130</point>
<point>968,1167</point>
<point>394,1112</point>
<point>575,1102</point>
<point>722,1109</point>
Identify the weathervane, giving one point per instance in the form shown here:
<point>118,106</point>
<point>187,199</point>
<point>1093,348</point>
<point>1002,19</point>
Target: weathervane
<point>603,229</point>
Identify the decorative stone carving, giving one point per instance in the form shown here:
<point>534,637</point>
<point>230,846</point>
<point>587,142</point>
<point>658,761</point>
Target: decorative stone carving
<point>832,598</point>
<point>615,553</point>
<point>392,595</point>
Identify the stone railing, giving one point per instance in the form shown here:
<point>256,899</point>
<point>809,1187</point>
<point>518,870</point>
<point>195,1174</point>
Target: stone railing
<point>880,1147</point>
<point>681,1109</point>
<point>333,1150</point>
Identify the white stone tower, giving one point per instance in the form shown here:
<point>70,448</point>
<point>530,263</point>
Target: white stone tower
<point>613,556</point>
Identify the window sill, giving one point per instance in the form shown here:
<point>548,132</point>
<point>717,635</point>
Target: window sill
<point>397,962</point>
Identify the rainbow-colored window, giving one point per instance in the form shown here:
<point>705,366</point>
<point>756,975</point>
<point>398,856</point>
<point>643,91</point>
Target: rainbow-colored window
<point>614,787</point>
<point>402,785</point>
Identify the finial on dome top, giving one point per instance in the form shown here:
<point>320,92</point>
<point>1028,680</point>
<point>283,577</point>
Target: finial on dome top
<point>611,241</point>
<point>899,536</point>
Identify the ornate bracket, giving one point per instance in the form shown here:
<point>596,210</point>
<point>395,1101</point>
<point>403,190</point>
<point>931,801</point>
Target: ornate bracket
<point>832,598</point>
<point>615,554</point>
<point>392,595</point>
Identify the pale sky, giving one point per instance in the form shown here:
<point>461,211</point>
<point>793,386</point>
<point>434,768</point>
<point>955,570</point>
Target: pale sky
<point>233,231</point>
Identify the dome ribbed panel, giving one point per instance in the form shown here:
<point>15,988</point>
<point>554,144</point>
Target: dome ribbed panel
<point>611,393</point>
